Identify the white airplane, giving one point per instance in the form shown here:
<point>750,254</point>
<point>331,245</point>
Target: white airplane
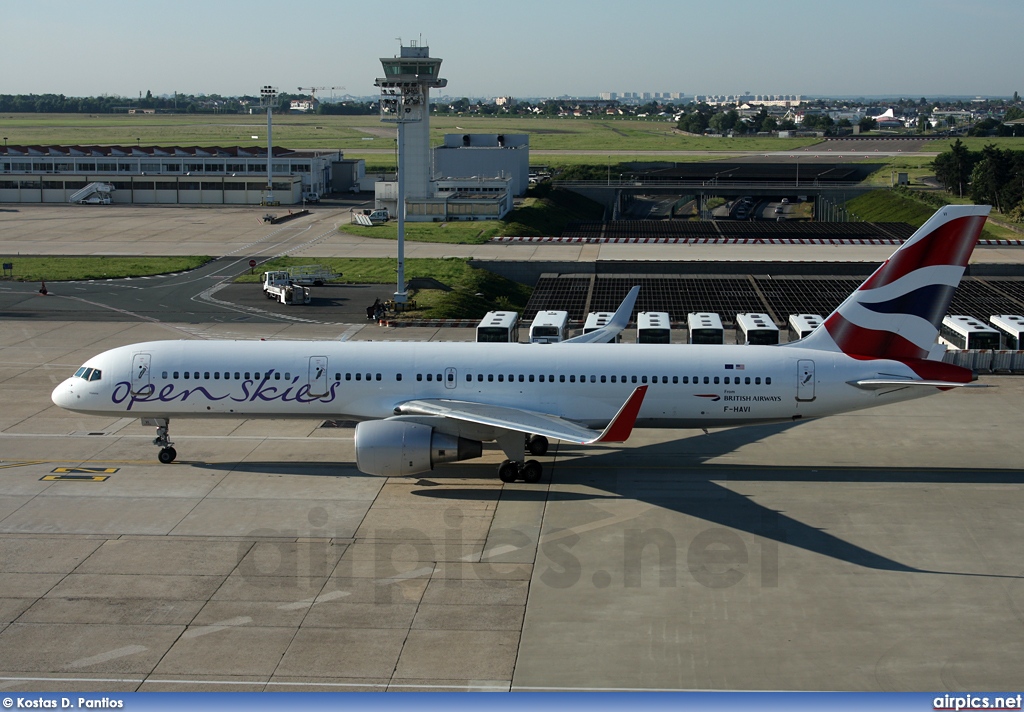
<point>423,404</point>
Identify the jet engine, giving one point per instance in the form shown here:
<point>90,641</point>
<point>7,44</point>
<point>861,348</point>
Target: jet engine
<point>396,448</point>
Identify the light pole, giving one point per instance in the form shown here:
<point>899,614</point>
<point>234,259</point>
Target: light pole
<point>267,96</point>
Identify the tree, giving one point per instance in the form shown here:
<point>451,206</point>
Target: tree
<point>990,177</point>
<point>867,124</point>
<point>953,168</point>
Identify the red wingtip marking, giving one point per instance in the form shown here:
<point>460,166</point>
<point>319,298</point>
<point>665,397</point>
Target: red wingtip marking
<point>619,429</point>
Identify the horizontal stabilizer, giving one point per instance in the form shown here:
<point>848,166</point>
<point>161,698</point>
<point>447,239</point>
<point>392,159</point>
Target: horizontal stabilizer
<point>874,384</point>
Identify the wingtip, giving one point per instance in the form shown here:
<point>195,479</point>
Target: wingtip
<point>621,426</point>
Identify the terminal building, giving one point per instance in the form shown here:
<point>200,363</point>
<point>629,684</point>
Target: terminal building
<point>235,175</point>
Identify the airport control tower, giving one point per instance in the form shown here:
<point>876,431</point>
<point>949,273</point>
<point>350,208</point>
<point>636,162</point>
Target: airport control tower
<point>405,100</point>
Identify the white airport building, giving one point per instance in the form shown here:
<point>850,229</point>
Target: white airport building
<point>211,175</point>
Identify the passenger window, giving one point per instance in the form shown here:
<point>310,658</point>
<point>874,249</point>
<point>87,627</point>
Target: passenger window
<point>277,376</point>
<point>490,378</point>
<point>398,377</point>
<point>175,374</point>
<point>706,380</point>
<point>501,378</point>
<point>523,378</point>
<point>633,379</point>
<point>419,376</point>
<point>359,377</point>
<point>531,378</point>
<point>686,379</point>
<point>716,380</point>
<point>430,377</point>
<point>186,375</point>
<point>593,379</point>
<point>572,379</point>
<point>164,375</point>
<point>256,375</point>
<point>216,375</point>
<point>727,380</point>
<point>479,377</point>
<point>675,379</point>
<point>451,378</point>
<point>206,375</point>
<point>438,377</point>
<point>287,376</point>
<point>337,376</point>
<point>348,376</point>
<point>551,378</point>
<point>613,379</point>
<point>746,380</point>
<point>469,378</point>
<point>757,381</point>
<point>643,379</point>
<point>768,380</point>
<point>561,378</point>
<point>604,379</point>
<point>238,376</point>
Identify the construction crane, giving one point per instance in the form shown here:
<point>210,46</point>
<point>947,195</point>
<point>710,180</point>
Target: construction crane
<point>312,94</point>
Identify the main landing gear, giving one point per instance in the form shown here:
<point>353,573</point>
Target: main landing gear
<point>514,468</point>
<point>529,471</point>
<point>167,452</point>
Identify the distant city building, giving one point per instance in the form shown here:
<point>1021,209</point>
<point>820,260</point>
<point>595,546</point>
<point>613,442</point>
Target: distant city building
<point>785,100</point>
<point>505,101</point>
<point>304,105</point>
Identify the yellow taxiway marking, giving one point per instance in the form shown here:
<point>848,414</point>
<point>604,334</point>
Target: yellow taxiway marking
<point>7,465</point>
<point>85,470</point>
<point>74,478</point>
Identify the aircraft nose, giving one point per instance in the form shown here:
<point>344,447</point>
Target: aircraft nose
<point>63,395</point>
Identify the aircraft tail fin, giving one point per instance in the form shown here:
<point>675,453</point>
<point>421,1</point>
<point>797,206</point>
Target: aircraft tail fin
<point>896,313</point>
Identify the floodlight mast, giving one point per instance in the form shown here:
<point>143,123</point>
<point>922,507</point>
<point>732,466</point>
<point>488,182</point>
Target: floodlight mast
<point>267,96</point>
<point>405,99</point>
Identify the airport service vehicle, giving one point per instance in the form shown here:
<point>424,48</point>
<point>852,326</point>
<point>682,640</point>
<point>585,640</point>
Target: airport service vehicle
<point>498,327</point>
<point>704,328</point>
<point>317,275</point>
<point>278,285</point>
<point>965,333</point>
<point>653,328</point>
<point>368,218</point>
<point>549,327</point>
<point>1011,327</point>
<point>758,329</point>
<point>311,197</point>
<point>423,404</point>
<point>801,325</point>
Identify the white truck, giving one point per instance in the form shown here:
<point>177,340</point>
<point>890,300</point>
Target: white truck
<point>278,285</point>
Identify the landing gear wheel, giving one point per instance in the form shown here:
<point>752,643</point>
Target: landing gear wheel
<point>532,471</point>
<point>167,455</point>
<point>508,471</point>
<point>537,445</point>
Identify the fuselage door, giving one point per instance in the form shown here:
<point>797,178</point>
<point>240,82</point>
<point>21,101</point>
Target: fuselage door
<point>140,372</point>
<point>451,378</point>
<point>805,380</point>
<point>317,375</point>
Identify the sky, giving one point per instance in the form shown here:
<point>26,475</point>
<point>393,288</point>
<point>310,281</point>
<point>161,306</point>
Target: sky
<point>524,48</point>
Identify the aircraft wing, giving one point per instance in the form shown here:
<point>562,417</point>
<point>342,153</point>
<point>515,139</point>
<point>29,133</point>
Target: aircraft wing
<point>618,322</point>
<point>529,421</point>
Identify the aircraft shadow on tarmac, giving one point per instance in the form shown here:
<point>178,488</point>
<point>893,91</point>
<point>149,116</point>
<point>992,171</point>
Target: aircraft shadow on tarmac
<point>697,489</point>
<point>693,487</point>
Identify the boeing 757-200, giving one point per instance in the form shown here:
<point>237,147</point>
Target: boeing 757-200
<point>423,404</point>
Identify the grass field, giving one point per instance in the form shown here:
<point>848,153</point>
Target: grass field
<point>355,133</point>
<point>915,207</point>
<point>34,269</point>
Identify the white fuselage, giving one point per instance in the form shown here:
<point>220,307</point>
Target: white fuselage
<point>689,385</point>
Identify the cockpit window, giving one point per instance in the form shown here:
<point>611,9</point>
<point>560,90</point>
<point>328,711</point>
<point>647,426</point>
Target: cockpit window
<point>89,374</point>
<point>80,372</point>
<point>95,375</point>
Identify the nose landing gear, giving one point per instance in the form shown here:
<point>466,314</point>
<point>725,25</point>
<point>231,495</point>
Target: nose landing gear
<point>167,452</point>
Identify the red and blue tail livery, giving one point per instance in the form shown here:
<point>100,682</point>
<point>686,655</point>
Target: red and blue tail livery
<point>897,311</point>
